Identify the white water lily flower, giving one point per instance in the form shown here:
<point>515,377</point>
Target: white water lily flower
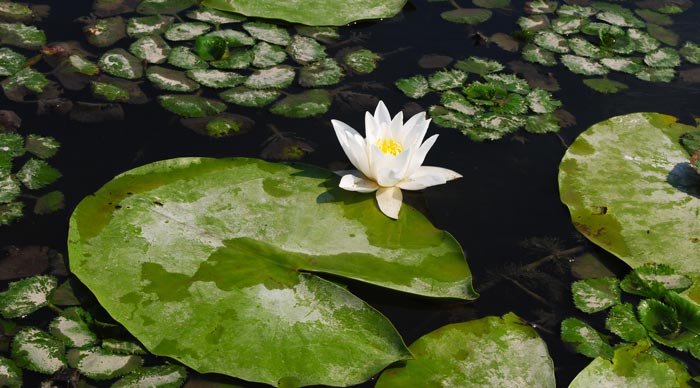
<point>389,158</point>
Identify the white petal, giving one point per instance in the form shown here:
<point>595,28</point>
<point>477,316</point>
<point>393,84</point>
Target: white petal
<point>352,182</point>
<point>389,200</point>
<point>353,145</point>
<point>371,129</point>
<point>394,129</point>
<point>427,176</point>
<point>381,114</point>
<point>419,156</point>
<point>414,130</point>
<point>388,169</point>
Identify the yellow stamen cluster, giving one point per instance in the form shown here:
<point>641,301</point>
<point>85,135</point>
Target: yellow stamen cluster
<point>389,146</point>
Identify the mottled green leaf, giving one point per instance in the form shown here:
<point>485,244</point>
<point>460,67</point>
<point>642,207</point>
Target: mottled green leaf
<point>11,144</point>
<point>509,82</point>
<point>25,296</point>
<point>456,101</point>
<point>534,23</point>
<point>162,376</point>
<point>119,63</point>
<point>541,101</point>
<point>105,32</point>
<point>49,203</point>
<point>148,25</point>
<point>9,190</point>
<point>72,327</point>
<point>541,6</point>
<point>447,79</point>
<point>156,7</point>
<point>108,91</point>
<point>414,87</point>
<point>278,77</point>
<point>216,78</point>
<point>36,174</point>
<point>484,353</point>
<point>37,351</point>
<point>191,106</point>
<point>449,118</point>
<point>255,98</point>
<point>322,73</point>
<point>663,57</point>
<point>186,31</point>
<point>14,12</point>
<point>307,104</point>
<point>43,147</point>
<point>20,35</point>
<point>625,65</point>
<point>581,65</point>
<point>361,61</point>
<point>267,32</point>
<point>585,339</point>
<point>150,48</point>
<point>267,55</point>
<point>690,51</point>
<point>10,374</point>
<point>536,54</point>
<point>583,48</point>
<point>654,281</point>
<point>26,78</point>
<point>620,17</point>
<point>214,16</point>
<point>303,49</point>
<point>171,80</point>
<point>478,65</point>
<point>122,347</point>
<point>184,58</point>
<point>10,61</point>
<point>100,364</point>
<point>657,74</point>
<point>597,294</point>
<point>622,321</point>
<point>233,38</point>
<point>658,317</point>
<point>10,212</point>
<point>237,59</point>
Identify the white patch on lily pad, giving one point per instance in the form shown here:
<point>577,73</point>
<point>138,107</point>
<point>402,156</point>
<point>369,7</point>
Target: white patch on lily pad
<point>35,350</point>
<point>99,364</point>
<point>186,31</point>
<point>551,41</point>
<point>304,50</point>
<point>216,78</point>
<point>663,57</point>
<point>151,48</point>
<point>275,77</point>
<point>268,33</point>
<point>581,65</point>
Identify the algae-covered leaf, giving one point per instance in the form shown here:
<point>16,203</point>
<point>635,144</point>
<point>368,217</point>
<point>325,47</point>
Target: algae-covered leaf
<point>642,41</point>
<point>267,32</point>
<point>199,218</point>
<point>158,7</point>
<point>162,376</point>
<point>534,23</point>
<point>186,31</point>
<point>362,61</point>
<point>625,65</point>
<point>148,25</point>
<point>222,125</point>
<point>664,57</point>
<point>467,15</point>
<point>216,78</point>
<point>654,280</point>
<point>583,48</point>
<point>456,101</point>
<point>191,106</point>
<point>14,12</point>
<point>304,50</point>
<point>36,174</point>
<point>536,54</point>
<point>236,59</point>
<point>25,296</point>
<point>267,55</point>
<point>105,32</point>
<point>447,79</point>
<point>652,221</point>
<point>184,58</point>
<point>233,38</point>
<point>542,123</point>
<point>634,365</point>
<point>322,73</point>
<point>100,364</point>
<point>122,347</point>
<point>582,65</point>
<point>551,41</point>
<point>483,353</point>
<point>72,327</point>
<point>214,16</point>
<point>414,87</point>
<point>690,51</point>
<point>567,25</point>
<point>585,339</point>
<point>307,104</point>
<point>622,321</point>
<point>255,98</point>
<point>541,6</point>
<point>108,91</point>
<point>120,63</point>
<point>11,146</point>
<point>171,80</point>
<point>10,61</point>
<point>10,373</point>
<point>43,147</point>
<point>479,66</point>
<point>541,101</point>
<point>312,12</point>
<point>10,212</point>
<point>37,351</point>
<point>657,74</point>
<point>27,78</point>
<point>9,191</point>
<point>604,85</point>
<point>150,48</point>
<point>278,77</point>
<point>596,294</point>
<point>449,118</point>
<point>20,35</point>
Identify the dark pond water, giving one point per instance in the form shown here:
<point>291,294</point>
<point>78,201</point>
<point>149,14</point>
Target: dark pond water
<point>505,212</point>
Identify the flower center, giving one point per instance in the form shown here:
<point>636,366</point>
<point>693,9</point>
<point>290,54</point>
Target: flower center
<point>389,146</point>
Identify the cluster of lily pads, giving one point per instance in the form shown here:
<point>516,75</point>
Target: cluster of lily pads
<point>601,37</point>
<point>662,317</point>
<point>485,109</point>
<point>19,172</point>
<point>70,342</point>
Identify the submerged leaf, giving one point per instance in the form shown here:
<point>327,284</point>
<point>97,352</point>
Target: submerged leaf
<point>191,106</point>
<point>604,85</point>
<point>307,104</point>
<point>467,15</point>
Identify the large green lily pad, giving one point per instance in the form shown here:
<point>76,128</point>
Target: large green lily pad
<point>630,189</point>
<point>228,251</point>
<point>488,352</point>
<point>312,12</point>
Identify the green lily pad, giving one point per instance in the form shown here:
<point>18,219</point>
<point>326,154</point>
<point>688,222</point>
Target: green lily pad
<point>623,322</point>
<point>449,118</point>
<point>576,10</point>
<point>184,58</point>
<point>604,85</point>
<point>582,65</point>
<point>214,16</point>
<point>267,32</point>
<point>585,339</point>
<point>171,80</point>
<point>278,77</point>
<point>10,61</point>
<point>534,23</point>
<point>216,78</point>
<point>43,147</point>
<point>14,12</point>
<point>12,144</point>
<point>690,51</point>
<point>304,50</point>
<point>36,174</point>
<point>625,65</point>
<point>447,79</point>
<point>10,374</point>
<point>191,106</point>
<point>255,98</point>
<point>312,12</point>
<point>643,148</point>
<point>654,17</point>
<point>186,31</point>
<point>663,57</point>
<point>26,78</point>
<point>663,34</point>
<point>105,32</point>
<point>621,18</point>
<point>49,203</point>
<point>551,41</point>
<point>542,123</point>
<point>25,296</point>
<point>633,365</point>
<point>19,35</point>
<point>485,353</point>
<point>657,74</point>
<point>267,55</point>
<point>584,48</point>
<point>221,125</point>
<point>566,25</point>
<point>37,351</point>
<point>72,328</point>
<point>150,48</point>
<point>119,63</point>
<point>597,294</point>
<point>509,82</point>
<point>325,34</point>
<point>307,104</point>
<point>467,15</point>
<point>655,281</point>
<point>233,38</point>
<point>414,87</point>
<point>162,376</point>
<point>536,54</point>
<point>148,25</point>
<point>362,61</point>
<point>456,101</point>
<point>641,41</point>
<point>479,66</point>
<point>541,6</point>
<point>200,218</point>
<point>10,212</point>
<point>108,91</point>
<point>100,364</point>
<point>81,65</point>
<point>541,101</point>
<point>237,59</point>
<point>322,73</point>
<point>158,7</point>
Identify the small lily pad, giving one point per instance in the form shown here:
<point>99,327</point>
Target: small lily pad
<point>541,101</point>
<point>663,34</point>
<point>150,48</point>
<point>551,41</point>
<point>303,50</point>
<point>105,32</point>
<point>162,376</point>
<point>10,61</point>
<point>536,54</point>
<point>448,79</point>
<point>158,7</point>
<point>268,33</point>
<point>14,12</point>
<point>690,51</point>
<point>623,322</point>
<point>36,174</point>
<point>457,102</point>
<point>186,31</point>
<point>654,17</point>
<point>509,82</point>
<point>448,118</point>
<point>26,296</point>
<point>534,23</point>
<point>582,65</point>
<point>413,87</point>
<point>541,6</point>
<point>255,98</point>
<point>625,65</point>
<point>362,61</point>
<point>81,65</point>
<point>191,106</point>
<point>542,123</point>
<point>467,15</point>
<point>216,78</point>
<point>267,55</point>
<point>620,17</point>
<point>657,74</point>
<point>12,144</point>
<point>278,77</point>
<point>20,35</point>
<point>108,91</point>
<point>148,25</point>
<point>37,351</point>
<point>10,212</point>
<point>233,38</point>
<point>237,59</point>
<point>171,80</point>
<point>325,34</point>
<point>566,25</point>
<point>596,294</point>
<point>307,104</point>
<point>10,374</point>
<point>26,78</point>
<point>43,147</point>
<point>663,57</point>
<point>119,63</point>
<point>654,280</point>
<point>322,73</point>
<point>184,58</point>
<point>604,85</point>
<point>72,328</point>
<point>122,347</point>
<point>100,364</point>
<point>584,48</point>
<point>585,339</point>
<point>222,125</point>
<point>478,65</point>
<point>658,318</point>
<point>578,10</point>
<point>214,16</point>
